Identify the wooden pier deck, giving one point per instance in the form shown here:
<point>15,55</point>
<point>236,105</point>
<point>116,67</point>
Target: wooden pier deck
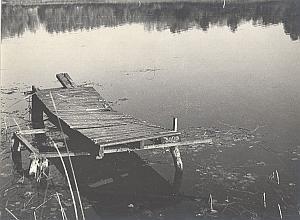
<point>85,121</point>
<point>83,115</point>
<point>86,112</point>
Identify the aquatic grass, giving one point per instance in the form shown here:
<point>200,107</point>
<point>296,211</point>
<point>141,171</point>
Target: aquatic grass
<point>277,176</point>
<point>69,157</point>
<point>43,203</point>
<point>210,201</point>
<point>20,100</point>
<point>11,213</point>
<point>5,127</point>
<point>17,124</point>
<point>279,209</point>
<point>28,202</point>
<point>264,200</point>
<point>45,195</point>
<point>67,176</point>
<point>63,214</point>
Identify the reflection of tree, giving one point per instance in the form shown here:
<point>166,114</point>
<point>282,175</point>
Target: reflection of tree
<point>176,17</point>
<point>15,20</point>
<point>291,21</point>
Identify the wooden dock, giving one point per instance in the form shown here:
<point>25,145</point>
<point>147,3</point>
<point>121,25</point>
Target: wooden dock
<point>83,111</point>
<point>87,121</point>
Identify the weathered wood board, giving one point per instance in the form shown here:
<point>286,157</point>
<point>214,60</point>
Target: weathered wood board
<point>83,110</point>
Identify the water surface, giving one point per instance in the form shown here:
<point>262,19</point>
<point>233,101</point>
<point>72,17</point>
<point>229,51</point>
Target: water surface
<point>236,66</point>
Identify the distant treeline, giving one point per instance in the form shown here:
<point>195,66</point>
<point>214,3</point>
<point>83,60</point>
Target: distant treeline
<point>176,16</point>
<point>39,2</point>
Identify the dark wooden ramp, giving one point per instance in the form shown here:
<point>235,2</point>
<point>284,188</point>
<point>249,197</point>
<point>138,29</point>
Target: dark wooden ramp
<point>85,125</point>
<point>82,112</point>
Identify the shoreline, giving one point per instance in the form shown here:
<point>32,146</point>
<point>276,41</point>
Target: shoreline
<point>72,2</point>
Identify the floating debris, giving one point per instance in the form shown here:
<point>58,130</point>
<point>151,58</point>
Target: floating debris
<point>249,176</point>
<point>279,209</point>
<point>261,163</point>
<point>130,205</point>
<point>210,201</point>
<point>11,213</point>
<point>101,182</point>
<point>277,177</point>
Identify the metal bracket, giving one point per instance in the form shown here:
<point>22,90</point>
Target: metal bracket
<point>100,153</point>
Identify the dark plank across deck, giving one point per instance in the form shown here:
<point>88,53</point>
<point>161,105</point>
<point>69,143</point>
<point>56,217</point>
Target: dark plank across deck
<point>83,110</point>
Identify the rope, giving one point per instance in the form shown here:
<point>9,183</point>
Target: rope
<point>71,164</point>
<point>67,176</point>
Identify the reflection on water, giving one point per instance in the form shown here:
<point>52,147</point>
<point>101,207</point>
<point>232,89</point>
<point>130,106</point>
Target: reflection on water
<point>120,184</point>
<point>245,78</point>
<point>160,16</point>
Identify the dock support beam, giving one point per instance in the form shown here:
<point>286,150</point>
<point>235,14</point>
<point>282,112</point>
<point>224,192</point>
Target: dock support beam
<point>65,80</point>
<point>16,154</point>
<point>177,162</point>
<point>36,111</point>
<point>178,169</point>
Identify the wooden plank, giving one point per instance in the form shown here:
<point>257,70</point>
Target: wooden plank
<point>36,110</point>
<point>86,124</point>
<point>128,136</point>
<point>89,115</point>
<point>142,144</point>
<point>121,130</point>
<point>116,136</point>
<point>149,147</point>
<point>82,102</point>
<point>106,127</point>
<point>75,108</point>
<point>27,144</point>
<point>102,114</point>
<point>125,141</point>
<point>95,120</point>
<point>88,107</point>
<point>63,154</point>
<point>79,97</point>
<point>68,92</point>
<point>32,131</point>
<point>16,154</point>
<point>65,80</point>
<point>70,112</point>
<point>94,125</point>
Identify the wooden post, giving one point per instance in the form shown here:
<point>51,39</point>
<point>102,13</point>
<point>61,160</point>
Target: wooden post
<point>44,169</point>
<point>16,154</point>
<point>100,153</point>
<point>177,161</point>
<point>176,158</point>
<point>142,144</point>
<point>65,80</point>
<point>36,111</point>
<point>175,122</point>
<point>178,169</point>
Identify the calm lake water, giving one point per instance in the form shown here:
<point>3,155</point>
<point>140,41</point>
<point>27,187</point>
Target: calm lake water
<point>207,65</point>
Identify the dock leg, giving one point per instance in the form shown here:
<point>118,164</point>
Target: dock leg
<point>44,172</point>
<point>176,158</point>
<point>100,153</point>
<point>36,111</point>
<point>178,168</point>
<point>177,163</point>
<point>16,154</point>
